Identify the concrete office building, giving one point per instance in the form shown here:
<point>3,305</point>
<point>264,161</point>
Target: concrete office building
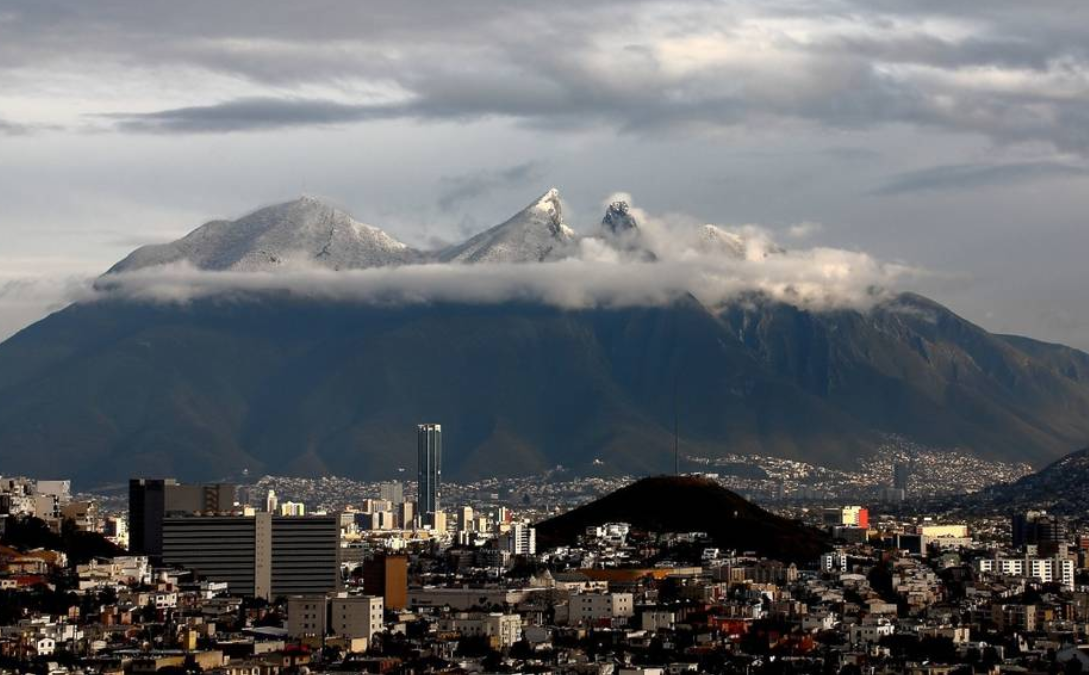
<point>307,616</point>
<point>596,607</point>
<point>341,615</point>
<point>152,500</point>
<point>356,616</point>
<point>1044,570</point>
<point>262,555</point>
<point>429,470</point>
<point>392,491</point>
<point>501,630</point>
<point>521,539</point>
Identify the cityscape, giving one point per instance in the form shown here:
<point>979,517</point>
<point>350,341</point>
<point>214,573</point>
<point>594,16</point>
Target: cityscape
<point>331,574</point>
<point>658,337</point>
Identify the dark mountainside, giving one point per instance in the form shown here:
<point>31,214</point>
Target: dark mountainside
<point>690,504</point>
<point>204,390</point>
<point>255,381</point>
<point>1058,488</point>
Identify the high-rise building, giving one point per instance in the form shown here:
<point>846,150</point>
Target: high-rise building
<point>152,500</point>
<point>263,555</point>
<point>901,472</point>
<point>406,513</point>
<point>392,491</point>
<point>429,469</point>
<point>520,539</point>
<point>387,576</point>
<point>465,519</point>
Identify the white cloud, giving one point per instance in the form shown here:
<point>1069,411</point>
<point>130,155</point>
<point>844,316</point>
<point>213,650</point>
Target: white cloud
<point>805,229</point>
<point>595,275</point>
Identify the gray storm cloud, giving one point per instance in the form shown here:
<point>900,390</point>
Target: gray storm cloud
<point>1013,74</point>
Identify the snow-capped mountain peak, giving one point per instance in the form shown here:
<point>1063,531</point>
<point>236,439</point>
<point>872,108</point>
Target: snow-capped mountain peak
<point>743,245</point>
<point>304,231</point>
<point>618,219</point>
<point>534,234</point>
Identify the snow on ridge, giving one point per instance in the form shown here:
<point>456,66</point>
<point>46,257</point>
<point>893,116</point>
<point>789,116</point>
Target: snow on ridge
<point>301,232</point>
<point>308,232</point>
<point>534,234</point>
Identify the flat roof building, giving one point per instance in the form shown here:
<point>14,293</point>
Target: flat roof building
<point>263,555</point>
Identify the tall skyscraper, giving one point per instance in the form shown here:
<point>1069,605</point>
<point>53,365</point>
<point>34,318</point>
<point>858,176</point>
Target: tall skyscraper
<point>900,474</point>
<point>429,468</point>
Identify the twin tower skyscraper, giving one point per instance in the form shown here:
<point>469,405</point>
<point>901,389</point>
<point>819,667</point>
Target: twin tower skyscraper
<point>429,470</point>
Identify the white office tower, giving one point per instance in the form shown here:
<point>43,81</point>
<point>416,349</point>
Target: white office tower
<point>272,504</point>
<point>521,539</point>
<point>465,519</point>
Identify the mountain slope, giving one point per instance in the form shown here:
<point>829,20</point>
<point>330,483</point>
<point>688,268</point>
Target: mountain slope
<point>304,231</point>
<point>270,383</point>
<point>689,504</point>
<point>213,387</point>
<point>912,367</point>
<point>1058,488</point>
<point>534,234</point>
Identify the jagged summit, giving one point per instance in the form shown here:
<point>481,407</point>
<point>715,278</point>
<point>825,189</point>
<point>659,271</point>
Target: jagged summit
<point>300,232</point>
<point>618,219</point>
<point>534,234</point>
<point>620,229</point>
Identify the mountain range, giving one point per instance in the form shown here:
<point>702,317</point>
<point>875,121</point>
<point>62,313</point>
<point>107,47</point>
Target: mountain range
<point>269,383</point>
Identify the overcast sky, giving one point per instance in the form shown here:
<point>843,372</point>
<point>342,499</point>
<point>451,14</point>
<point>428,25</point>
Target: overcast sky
<point>948,136</point>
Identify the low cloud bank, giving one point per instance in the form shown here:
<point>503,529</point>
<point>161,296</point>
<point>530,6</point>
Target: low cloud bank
<point>715,265</point>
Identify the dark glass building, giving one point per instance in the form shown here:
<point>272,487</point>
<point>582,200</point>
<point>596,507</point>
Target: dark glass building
<point>429,469</point>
